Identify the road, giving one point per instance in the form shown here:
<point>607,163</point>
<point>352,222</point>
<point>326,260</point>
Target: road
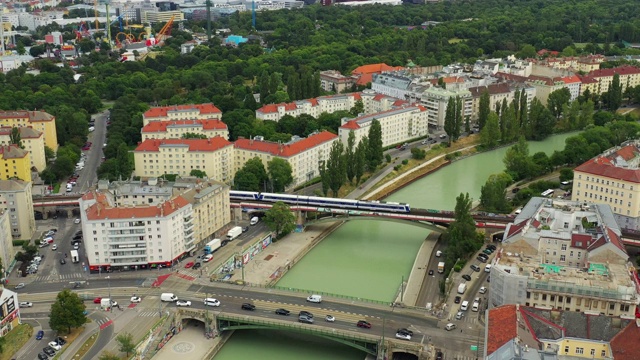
<point>89,175</point>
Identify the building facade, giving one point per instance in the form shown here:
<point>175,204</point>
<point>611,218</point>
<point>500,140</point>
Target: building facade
<point>15,163</point>
<point>182,112</point>
<point>16,197</point>
<point>612,178</point>
<point>176,129</point>
<point>6,239</point>
<point>38,120</point>
<point>32,140</point>
<point>9,311</point>
<point>135,237</point>
<point>305,155</point>
<point>435,100</point>
<point>156,157</point>
<point>333,80</point>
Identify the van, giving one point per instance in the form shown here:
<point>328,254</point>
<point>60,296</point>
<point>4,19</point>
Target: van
<point>462,288</point>
<point>450,326</point>
<point>464,306</point>
<point>475,307</point>
<point>487,268</point>
<point>254,220</point>
<point>315,299</point>
<point>169,297</point>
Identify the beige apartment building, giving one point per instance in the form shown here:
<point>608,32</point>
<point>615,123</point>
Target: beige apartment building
<point>32,140</point>
<point>182,112</point>
<point>304,155</point>
<point>498,93</point>
<point>156,157</point>
<point>38,120</point>
<point>600,80</point>
<point>612,178</point>
<point>17,199</point>
<point>333,80</point>
<point>176,129</point>
<point>565,255</point>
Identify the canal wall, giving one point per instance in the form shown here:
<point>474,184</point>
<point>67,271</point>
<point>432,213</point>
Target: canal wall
<point>409,296</point>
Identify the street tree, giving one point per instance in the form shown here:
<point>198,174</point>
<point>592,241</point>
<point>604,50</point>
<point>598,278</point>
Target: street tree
<point>125,340</point>
<point>280,219</point>
<point>324,178</point>
<point>336,167</point>
<point>556,101</point>
<point>361,159</point>
<point>484,109</point>
<point>350,156</point>
<point>280,174</point>
<point>516,160</point>
<point>374,153</point>
<point>67,312</point>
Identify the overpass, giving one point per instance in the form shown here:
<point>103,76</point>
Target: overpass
<point>56,200</point>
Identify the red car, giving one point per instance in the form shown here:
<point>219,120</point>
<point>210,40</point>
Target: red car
<point>97,300</point>
<point>364,324</point>
<point>189,265</point>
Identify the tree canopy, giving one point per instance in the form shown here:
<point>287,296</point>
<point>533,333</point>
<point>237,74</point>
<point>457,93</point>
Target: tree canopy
<point>67,312</point>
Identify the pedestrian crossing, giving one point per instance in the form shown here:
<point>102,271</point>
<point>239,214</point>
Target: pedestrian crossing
<point>49,278</point>
<point>150,313</point>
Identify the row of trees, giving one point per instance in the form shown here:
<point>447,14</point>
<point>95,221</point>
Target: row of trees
<point>454,117</point>
<point>253,176</point>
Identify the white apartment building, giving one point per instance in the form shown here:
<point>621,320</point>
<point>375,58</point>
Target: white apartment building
<point>394,85</point>
<point>156,157</point>
<point>129,237</point>
<point>17,199</point>
<point>435,100</point>
<point>182,112</point>
<point>398,125</point>
<point>560,254</point>
<point>612,178</point>
<point>176,129</point>
<point>304,155</point>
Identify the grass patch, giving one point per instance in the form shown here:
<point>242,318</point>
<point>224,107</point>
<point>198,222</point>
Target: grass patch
<point>85,347</point>
<point>455,40</point>
<point>16,339</point>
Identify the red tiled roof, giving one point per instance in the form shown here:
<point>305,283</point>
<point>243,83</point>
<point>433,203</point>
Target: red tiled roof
<point>615,239</point>
<point>285,150</point>
<point>161,126</point>
<point>621,70</point>
<point>585,79</point>
<point>364,79</point>
<point>625,345</point>
<point>502,327</point>
<point>163,110</point>
<point>374,68</point>
<point>628,152</point>
<point>352,125</point>
<point>273,108</point>
<point>571,79</point>
<point>516,228</point>
<point>102,210</point>
<point>603,166</point>
<point>213,144</point>
<point>512,77</point>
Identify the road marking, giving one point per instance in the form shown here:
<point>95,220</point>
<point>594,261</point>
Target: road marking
<point>106,324</point>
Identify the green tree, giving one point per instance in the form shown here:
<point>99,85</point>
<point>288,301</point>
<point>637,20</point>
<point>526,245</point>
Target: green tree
<point>374,153</point>
<point>512,128</point>
<point>493,194</point>
<point>336,167</point>
<point>247,181</point>
<point>557,100</point>
<point>527,51</point>
<point>358,108</point>
<point>566,174</point>
<point>14,137</point>
<point>350,153</point>
<point>127,345</point>
<point>263,85</point>
<point>198,173</point>
<point>490,133</point>
<point>484,108</point>
<point>450,119</point>
<point>361,159</point>
<point>280,219</point>
<point>280,174</point>
<point>614,95</point>
<point>67,312</point>
<point>324,178</point>
<point>274,82</point>
<point>586,114</point>
<point>541,121</point>
<point>516,160</point>
<point>190,135</point>
<point>418,153</point>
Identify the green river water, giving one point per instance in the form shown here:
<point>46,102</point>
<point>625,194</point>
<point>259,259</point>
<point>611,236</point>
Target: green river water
<point>369,259</point>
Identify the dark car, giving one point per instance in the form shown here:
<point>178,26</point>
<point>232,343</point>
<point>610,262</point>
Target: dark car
<point>62,261</point>
<point>197,265</point>
<point>363,324</point>
<point>492,247</point>
<point>42,356</point>
<point>405,331</point>
<point>245,229</point>
<point>305,313</point>
<point>77,237</point>
<point>284,312</point>
<point>439,355</point>
<point>475,267</point>
<point>431,272</point>
<point>40,335</point>
<point>481,259</point>
<point>483,255</point>
<point>61,341</point>
<point>49,351</point>
<point>466,277</point>
<point>247,306</point>
<point>487,251</point>
<point>457,300</point>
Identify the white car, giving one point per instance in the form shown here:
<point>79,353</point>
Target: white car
<point>483,290</point>
<point>55,346</point>
<point>403,336</point>
<point>329,318</point>
<point>136,299</point>
<point>26,304</point>
<point>76,221</point>
<point>54,247</point>
<point>207,258</point>
<point>183,303</point>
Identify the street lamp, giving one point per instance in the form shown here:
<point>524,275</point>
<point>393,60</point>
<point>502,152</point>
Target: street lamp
<point>109,284</point>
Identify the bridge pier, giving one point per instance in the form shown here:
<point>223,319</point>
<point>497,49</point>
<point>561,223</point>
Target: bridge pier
<point>45,213</point>
<point>300,217</point>
<point>69,213</point>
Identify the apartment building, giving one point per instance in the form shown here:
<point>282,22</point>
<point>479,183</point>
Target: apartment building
<point>15,163</point>
<point>435,100</point>
<point>131,237</point>
<point>209,200</point>
<point>16,197</point>
<point>497,93</point>
<point>513,330</point>
<point>573,63</point>
<point>32,140</point>
<point>38,120</point>
<point>333,80</point>
<point>303,154</point>
<point>176,129</point>
<point>398,125</point>
<point>182,112</point>
<point>9,311</point>
<point>7,253</point>
<point>156,157</point>
<point>364,73</point>
<point>612,178</point>
<point>629,76</point>
<point>565,255</point>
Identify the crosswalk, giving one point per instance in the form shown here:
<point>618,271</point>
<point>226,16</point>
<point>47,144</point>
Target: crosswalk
<point>150,313</point>
<point>64,277</point>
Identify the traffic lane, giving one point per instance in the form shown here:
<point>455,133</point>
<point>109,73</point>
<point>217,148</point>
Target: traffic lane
<point>64,246</point>
<point>93,155</point>
<point>93,283</point>
<point>104,336</point>
<point>33,346</point>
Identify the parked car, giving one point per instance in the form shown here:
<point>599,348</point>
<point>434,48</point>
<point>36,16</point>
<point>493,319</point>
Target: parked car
<point>55,346</point>
<point>364,324</point>
<point>483,290</point>
<point>284,312</point>
<point>61,341</point>
<point>431,272</point>
<point>245,229</point>
<point>42,356</point>
<point>457,300</point>
<point>481,259</point>
<point>466,277</point>
<point>97,300</point>
<point>54,247</point>
<point>492,247</point>
<point>475,267</point>
<point>197,266</point>
<point>76,221</point>
<point>49,351</point>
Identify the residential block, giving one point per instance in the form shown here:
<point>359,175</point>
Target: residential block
<point>37,120</point>
<point>16,198</point>
<point>182,112</point>
<point>15,163</point>
<point>32,140</point>
<point>176,129</point>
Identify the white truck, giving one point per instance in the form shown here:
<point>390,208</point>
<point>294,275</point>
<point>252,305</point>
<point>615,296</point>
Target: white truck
<point>234,233</point>
<point>441,267</point>
<point>212,246</point>
<point>74,256</point>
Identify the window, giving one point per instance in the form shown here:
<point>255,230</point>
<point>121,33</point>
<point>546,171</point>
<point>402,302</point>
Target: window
<point>562,258</point>
<point>593,352</point>
<point>612,306</point>
<point>568,300</point>
<point>564,246</point>
<point>566,349</point>
<point>579,350</point>
<point>603,353</point>
<point>624,307</point>
<point>544,297</point>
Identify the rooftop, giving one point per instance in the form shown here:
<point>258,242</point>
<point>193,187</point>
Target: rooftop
<point>12,185</point>
<point>162,111</point>
<point>26,132</point>
<point>204,145</point>
<point>625,345</point>
<point>32,116</point>
<point>104,209</point>
<point>502,327</point>
<point>357,122</point>
<point>12,152</point>
<point>285,150</point>
<point>161,126</point>
<point>274,108</point>
<point>620,163</point>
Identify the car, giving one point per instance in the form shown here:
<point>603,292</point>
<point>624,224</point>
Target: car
<point>49,351</point>
<point>363,324</point>
<point>439,355</point>
<point>91,128</point>
<point>189,265</point>
<point>403,336</point>
<point>466,277</point>
<point>481,259</point>
<point>197,266</point>
<point>19,286</point>
<point>207,258</point>
<point>305,313</point>
<point>489,278</point>
<point>484,256</point>
<point>79,232</point>
<point>457,300</point>
<point>329,318</point>
<point>26,304</point>
<point>61,341</point>
<point>97,300</point>
<point>43,245</point>
<point>76,246</point>
<point>245,229</point>
<point>55,346</point>
<point>247,306</point>
<point>450,326</point>
<point>211,302</point>
<point>483,290</point>
<point>42,356</point>
<point>136,299</point>
<point>487,251</point>
<point>459,315</point>
<point>475,268</point>
<point>63,261</point>
<point>405,331</point>
<point>431,272</point>
<point>49,233</point>
<point>492,247</point>
<point>443,136</point>
<point>284,312</point>
<point>40,335</point>
<point>54,247</point>
<point>183,303</point>
<point>305,319</point>
<point>76,221</point>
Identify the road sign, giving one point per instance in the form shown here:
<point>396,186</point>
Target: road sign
<point>474,348</point>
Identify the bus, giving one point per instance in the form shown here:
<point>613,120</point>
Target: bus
<point>547,193</point>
